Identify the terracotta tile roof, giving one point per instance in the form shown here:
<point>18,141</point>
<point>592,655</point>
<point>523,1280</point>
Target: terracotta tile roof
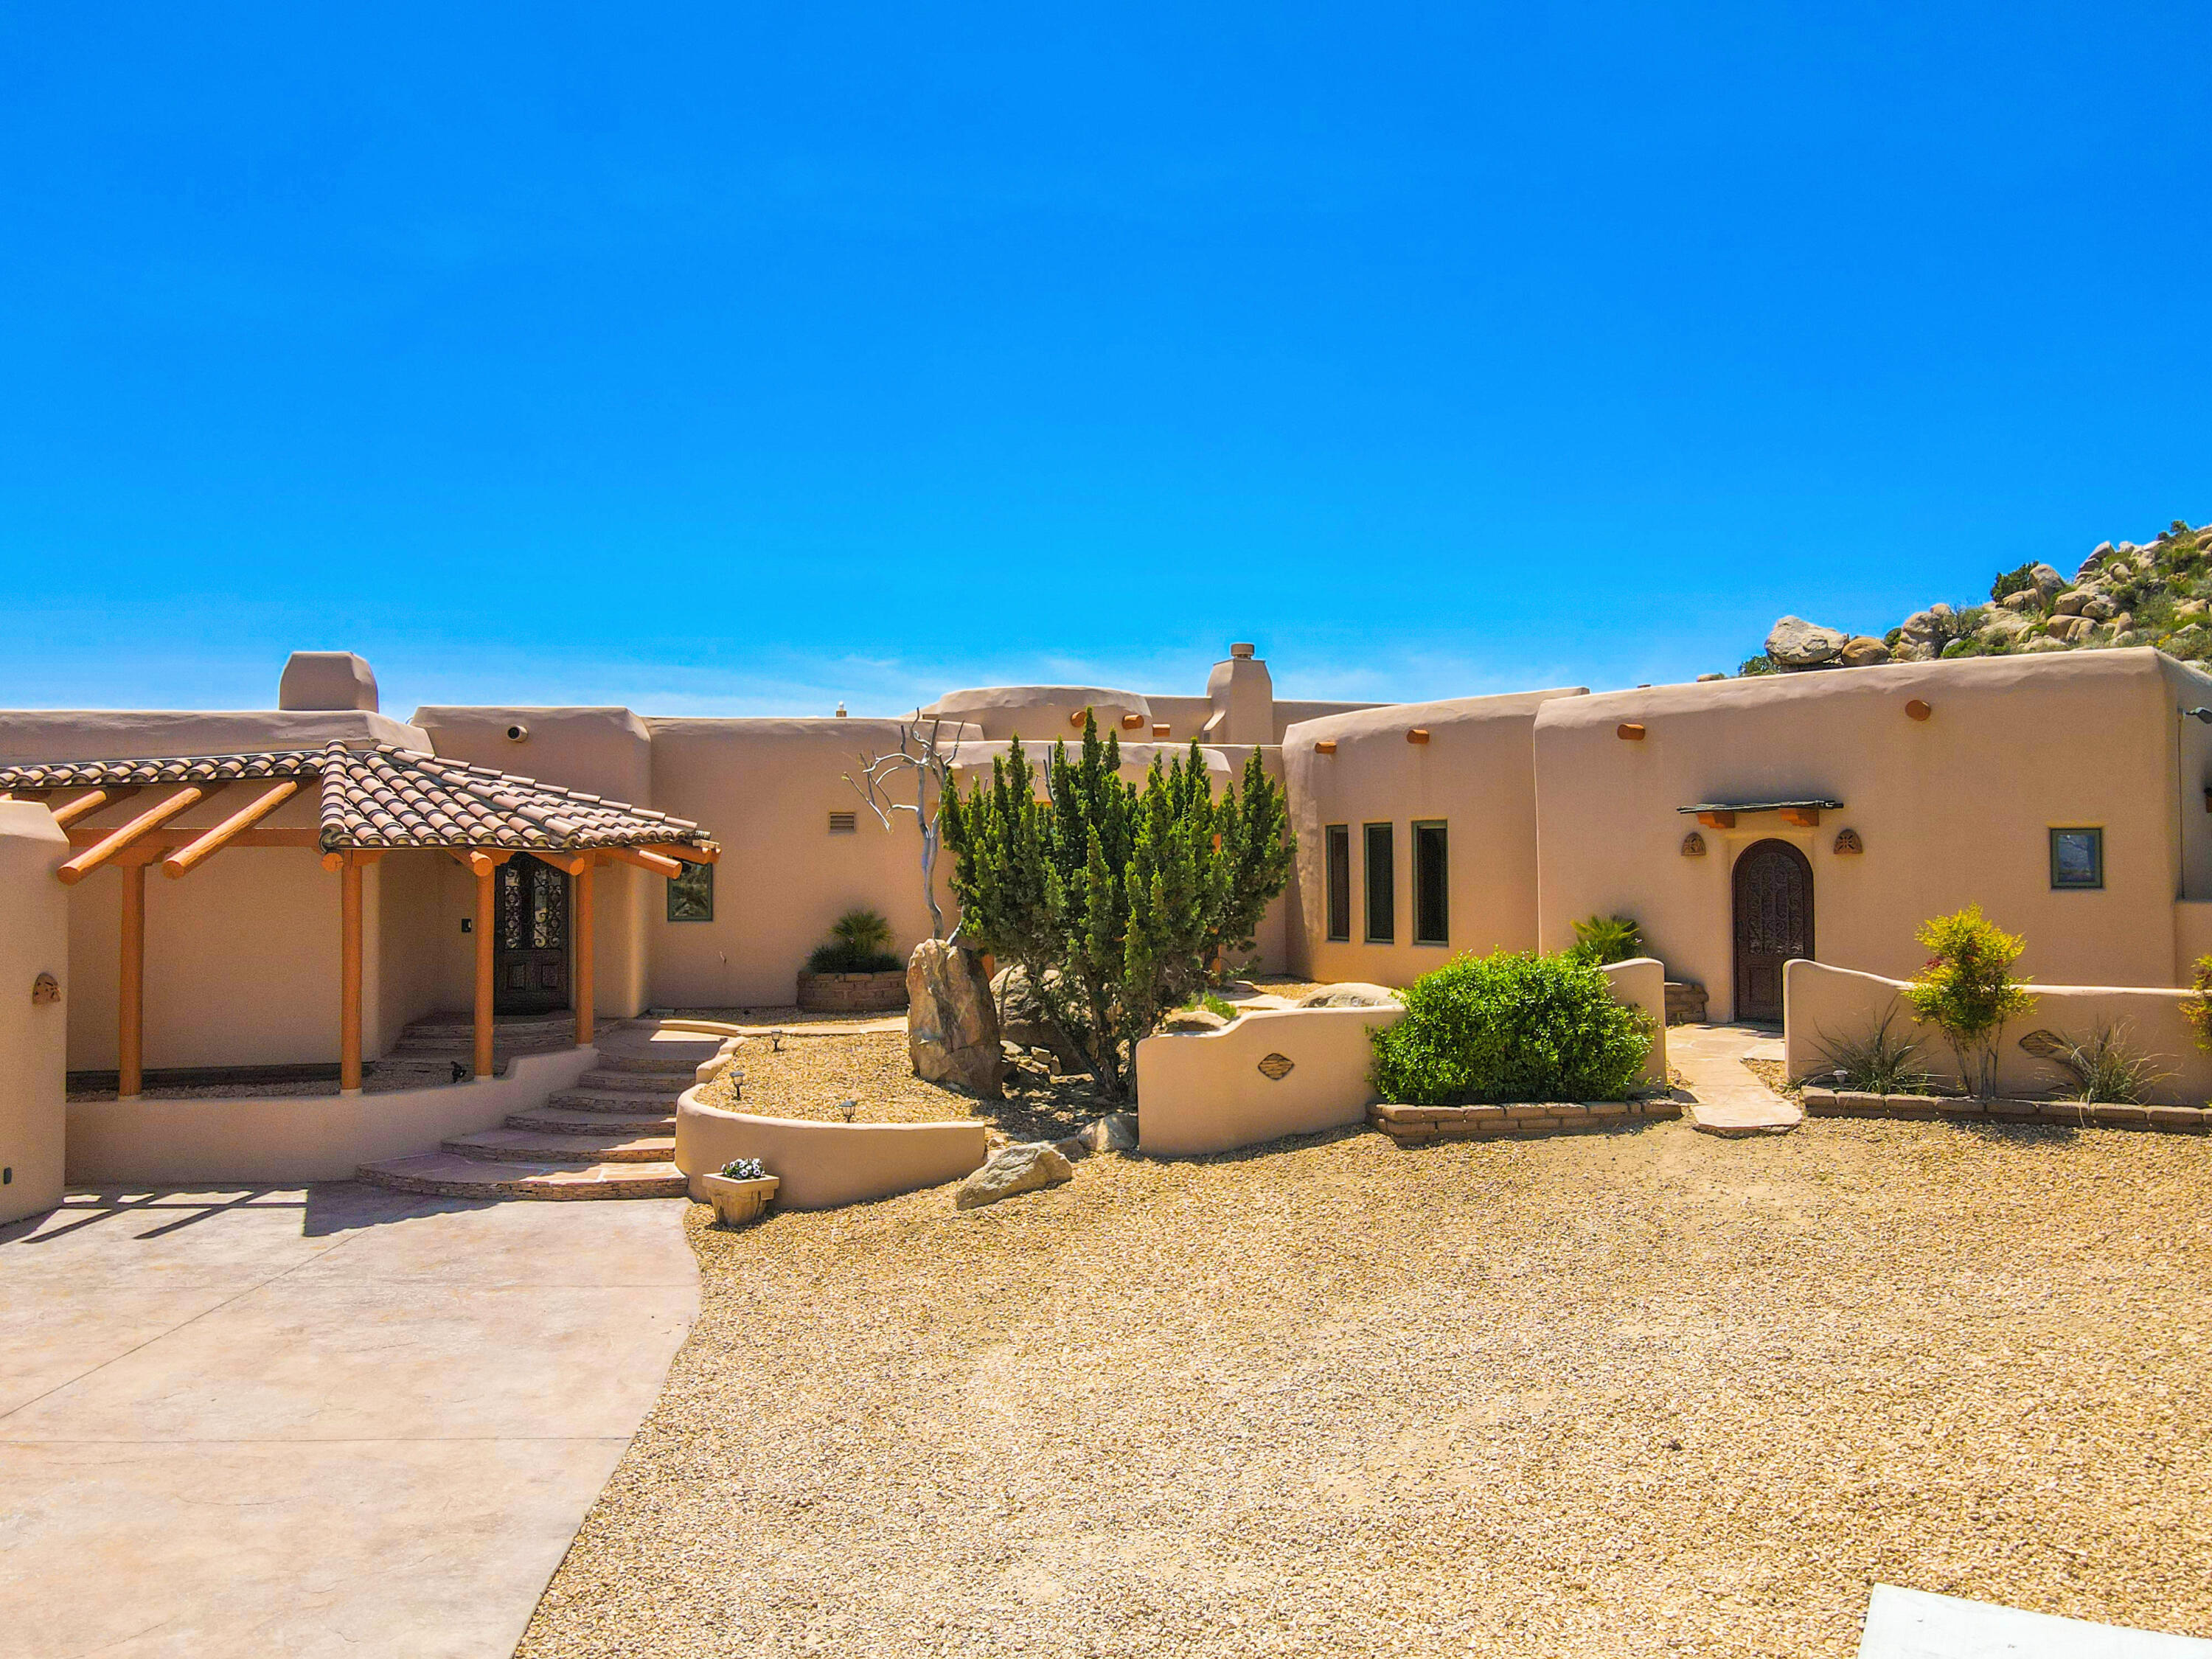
<point>393,797</point>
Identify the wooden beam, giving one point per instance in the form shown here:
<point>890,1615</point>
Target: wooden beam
<point>1416,734</point>
<point>350,976</point>
<point>657,863</point>
<point>152,819</point>
<point>688,855</point>
<point>1805,817</point>
<point>585,988</point>
<point>163,842</point>
<point>1325,746</point>
<point>574,864</point>
<point>223,834</point>
<point>1629,732</point>
<point>130,988</point>
<point>487,903</point>
<point>1717,820</point>
<point>90,802</point>
<point>481,859</point>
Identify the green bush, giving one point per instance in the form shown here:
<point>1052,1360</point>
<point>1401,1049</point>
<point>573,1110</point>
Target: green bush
<point>1510,1027</point>
<point>860,942</point>
<point>1967,990</point>
<point>1761,663</point>
<point>1600,939</point>
<point>1878,1060</point>
<point>2105,1066</point>
<point>2013,582</point>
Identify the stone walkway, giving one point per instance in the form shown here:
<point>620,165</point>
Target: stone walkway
<point>1731,1101</point>
<point>315,1421</point>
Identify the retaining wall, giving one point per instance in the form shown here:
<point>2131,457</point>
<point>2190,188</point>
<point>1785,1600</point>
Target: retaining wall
<point>1820,1002</point>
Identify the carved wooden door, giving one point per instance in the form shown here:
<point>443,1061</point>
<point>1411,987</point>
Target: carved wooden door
<point>1773,924</point>
<point>530,971</point>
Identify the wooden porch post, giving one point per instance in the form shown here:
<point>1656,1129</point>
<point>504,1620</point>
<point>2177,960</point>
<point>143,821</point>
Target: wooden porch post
<point>130,990</point>
<point>584,987</point>
<point>350,976</point>
<point>487,919</point>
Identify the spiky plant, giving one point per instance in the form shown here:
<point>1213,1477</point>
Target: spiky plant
<point>1879,1062</point>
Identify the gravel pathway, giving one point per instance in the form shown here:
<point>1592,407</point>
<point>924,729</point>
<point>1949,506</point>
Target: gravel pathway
<point>1632,1394</point>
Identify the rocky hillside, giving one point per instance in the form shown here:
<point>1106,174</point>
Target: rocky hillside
<point>2156,594</point>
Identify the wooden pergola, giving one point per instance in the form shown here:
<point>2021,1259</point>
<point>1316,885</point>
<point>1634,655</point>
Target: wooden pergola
<point>372,802</point>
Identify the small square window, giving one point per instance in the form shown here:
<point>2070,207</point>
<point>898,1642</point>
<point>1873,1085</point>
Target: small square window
<point>2077,858</point>
<point>844,823</point>
<point>692,895</point>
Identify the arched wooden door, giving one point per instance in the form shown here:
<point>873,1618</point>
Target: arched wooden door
<point>530,975</point>
<point>1773,924</point>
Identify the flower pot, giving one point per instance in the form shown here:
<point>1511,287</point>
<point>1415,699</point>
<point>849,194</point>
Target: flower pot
<point>739,1201</point>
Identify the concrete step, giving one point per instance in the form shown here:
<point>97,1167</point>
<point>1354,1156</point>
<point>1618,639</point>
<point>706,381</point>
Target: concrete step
<point>448,1176</point>
<point>617,1101</point>
<point>563,1120</point>
<point>644,1049</point>
<point>512,1145</point>
<point>655,1084</point>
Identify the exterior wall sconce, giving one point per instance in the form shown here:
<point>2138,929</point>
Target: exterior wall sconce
<point>1418,734</point>
<point>1327,746</point>
<point>46,989</point>
<point>1629,732</point>
<point>1693,846</point>
<point>1917,710</point>
<point>1847,841</point>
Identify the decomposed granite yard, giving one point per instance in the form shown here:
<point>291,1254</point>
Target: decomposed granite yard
<point>1638,1393</point>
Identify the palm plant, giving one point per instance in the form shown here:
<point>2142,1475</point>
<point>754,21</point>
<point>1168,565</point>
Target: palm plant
<point>1600,939</point>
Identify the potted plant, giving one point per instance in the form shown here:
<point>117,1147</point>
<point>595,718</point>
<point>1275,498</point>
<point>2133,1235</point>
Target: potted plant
<point>853,971</point>
<point>740,1191</point>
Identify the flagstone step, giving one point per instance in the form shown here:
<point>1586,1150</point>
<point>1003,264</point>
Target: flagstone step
<point>617,1101</point>
<point>447,1174</point>
<point>635,1083</point>
<point>565,1120</point>
<point>513,1145</point>
<point>649,1049</point>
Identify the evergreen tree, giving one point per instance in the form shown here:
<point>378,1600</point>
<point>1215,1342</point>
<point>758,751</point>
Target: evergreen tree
<point>1117,903</point>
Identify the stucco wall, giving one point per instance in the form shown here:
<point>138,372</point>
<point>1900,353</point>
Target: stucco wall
<point>1476,773</point>
<point>1204,1091</point>
<point>1951,810</point>
<point>1641,983</point>
<point>819,1166</point>
<point>51,734</point>
<point>766,788</point>
<point>33,1035</point>
<point>1822,1003</point>
<point>291,1139</point>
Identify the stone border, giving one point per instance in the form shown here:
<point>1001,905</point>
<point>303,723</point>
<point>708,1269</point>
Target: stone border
<point>2071,1113</point>
<point>880,992</point>
<point>1411,1125</point>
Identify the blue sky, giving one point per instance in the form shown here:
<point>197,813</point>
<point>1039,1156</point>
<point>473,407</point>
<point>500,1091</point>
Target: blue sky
<point>740,362</point>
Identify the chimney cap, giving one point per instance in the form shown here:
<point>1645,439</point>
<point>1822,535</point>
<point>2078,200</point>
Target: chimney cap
<point>318,680</point>
<point>1242,651</point>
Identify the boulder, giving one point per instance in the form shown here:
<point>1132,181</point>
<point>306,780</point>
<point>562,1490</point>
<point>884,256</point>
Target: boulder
<point>1022,1019</point>
<point>1192,1019</point>
<point>1793,642</point>
<point>1911,650</point>
<point>1351,993</point>
<point>1935,626</point>
<point>2070,628</point>
<point>1702,678</point>
<point>2042,643</point>
<point>2048,582</point>
<point>951,1023</point>
<point>2190,608</point>
<point>1864,651</point>
<point>1013,1169</point>
<point>2069,604</point>
<point>2005,626</point>
<point>2100,607</point>
<point>1115,1133</point>
<point>2027,599</point>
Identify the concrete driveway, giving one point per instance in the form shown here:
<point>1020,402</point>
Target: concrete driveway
<point>321,1420</point>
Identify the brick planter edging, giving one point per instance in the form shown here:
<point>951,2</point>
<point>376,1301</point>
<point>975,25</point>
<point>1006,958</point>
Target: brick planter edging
<point>1844,1102</point>
<point>851,994</point>
<point>1409,1124</point>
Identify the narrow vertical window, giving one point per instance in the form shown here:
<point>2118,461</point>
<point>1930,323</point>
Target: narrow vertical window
<point>1431,885</point>
<point>1339,837</point>
<point>1382,885</point>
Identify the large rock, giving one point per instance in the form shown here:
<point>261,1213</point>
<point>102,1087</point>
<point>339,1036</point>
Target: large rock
<point>2069,604</point>
<point>1022,1019</point>
<point>2048,582</point>
<point>1864,651</point>
<point>1192,1019</point>
<point>2005,626</point>
<point>2100,607</point>
<point>1912,650</point>
<point>1937,625</point>
<point>951,1023</point>
<point>1013,1170</point>
<point>1351,993</point>
<point>1795,643</point>
<point>1116,1132</point>
<point>2027,599</point>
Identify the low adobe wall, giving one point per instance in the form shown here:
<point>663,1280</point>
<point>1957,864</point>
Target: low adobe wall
<point>1204,1091</point>
<point>282,1140</point>
<point>1819,1002</point>
<point>33,1018</point>
<point>820,1165</point>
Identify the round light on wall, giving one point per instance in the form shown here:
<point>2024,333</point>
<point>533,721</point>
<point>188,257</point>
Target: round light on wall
<point>518,733</point>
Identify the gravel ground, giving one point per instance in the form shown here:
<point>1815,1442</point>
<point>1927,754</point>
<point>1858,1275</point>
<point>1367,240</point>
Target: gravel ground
<point>1639,1392</point>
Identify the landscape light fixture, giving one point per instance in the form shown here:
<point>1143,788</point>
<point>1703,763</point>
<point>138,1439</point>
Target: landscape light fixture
<point>2204,715</point>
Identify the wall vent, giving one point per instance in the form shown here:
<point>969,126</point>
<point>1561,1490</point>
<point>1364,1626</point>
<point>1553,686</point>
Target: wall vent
<point>844,823</point>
